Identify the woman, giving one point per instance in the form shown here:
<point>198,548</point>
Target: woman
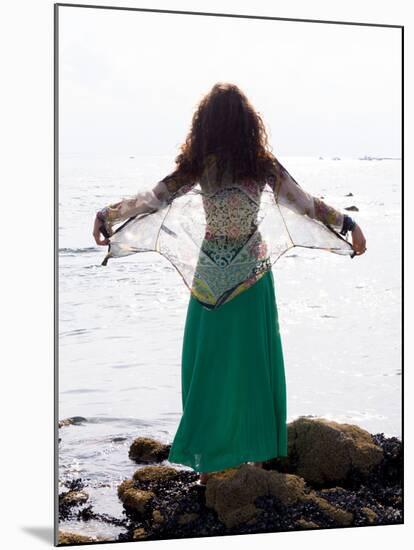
<point>233,378</point>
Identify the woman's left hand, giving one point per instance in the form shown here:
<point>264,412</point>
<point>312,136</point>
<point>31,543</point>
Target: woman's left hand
<point>97,234</point>
<point>358,240</point>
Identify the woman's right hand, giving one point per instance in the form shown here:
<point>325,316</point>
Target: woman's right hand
<point>97,233</point>
<point>358,240</point>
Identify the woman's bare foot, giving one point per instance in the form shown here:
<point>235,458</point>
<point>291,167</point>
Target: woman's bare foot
<point>203,477</point>
<point>257,464</point>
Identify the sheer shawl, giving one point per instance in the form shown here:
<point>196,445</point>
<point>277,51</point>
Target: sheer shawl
<point>222,238</point>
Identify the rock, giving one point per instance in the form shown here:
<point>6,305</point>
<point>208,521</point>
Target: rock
<point>157,516</point>
<point>334,475</point>
<point>72,420</point>
<point>305,524</point>
<point>68,538</point>
<point>349,194</point>
<point>136,499</point>
<point>124,486</point>
<point>118,439</point>
<point>139,534</point>
<point>325,452</point>
<point>73,498</point>
<point>146,449</point>
<point>352,208</point>
<point>330,490</point>
<point>370,514</point>
<point>155,473</point>
<point>288,488</point>
<point>392,468</point>
<point>183,519</point>
<point>148,479</point>
<point>232,494</point>
<point>341,517</point>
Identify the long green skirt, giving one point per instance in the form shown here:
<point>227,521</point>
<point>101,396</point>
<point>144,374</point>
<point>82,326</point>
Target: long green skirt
<point>232,383</point>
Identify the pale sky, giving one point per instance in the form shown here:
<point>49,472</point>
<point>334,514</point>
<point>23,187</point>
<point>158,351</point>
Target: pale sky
<point>130,81</point>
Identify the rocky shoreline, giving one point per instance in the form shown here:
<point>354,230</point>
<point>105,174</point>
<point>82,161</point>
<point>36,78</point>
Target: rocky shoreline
<point>335,475</point>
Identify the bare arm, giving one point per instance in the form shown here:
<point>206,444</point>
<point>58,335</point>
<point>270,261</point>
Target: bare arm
<point>290,194</point>
<point>145,202</point>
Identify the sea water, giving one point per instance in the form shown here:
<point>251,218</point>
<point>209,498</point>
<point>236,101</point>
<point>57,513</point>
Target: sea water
<point>120,326</point>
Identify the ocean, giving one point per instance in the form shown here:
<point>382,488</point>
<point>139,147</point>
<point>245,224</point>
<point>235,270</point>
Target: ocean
<point>121,325</point>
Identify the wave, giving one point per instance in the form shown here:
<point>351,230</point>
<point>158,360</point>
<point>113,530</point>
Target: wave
<point>84,250</point>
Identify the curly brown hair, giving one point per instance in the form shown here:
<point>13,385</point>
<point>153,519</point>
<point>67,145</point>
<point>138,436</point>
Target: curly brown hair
<point>226,124</point>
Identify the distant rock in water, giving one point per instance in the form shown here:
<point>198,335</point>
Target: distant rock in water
<point>349,194</point>
<point>73,498</point>
<point>352,208</point>
<point>72,420</point>
<point>147,450</point>
<point>367,157</point>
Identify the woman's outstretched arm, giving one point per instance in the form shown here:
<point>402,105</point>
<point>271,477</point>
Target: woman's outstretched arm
<point>290,194</point>
<point>145,202</point>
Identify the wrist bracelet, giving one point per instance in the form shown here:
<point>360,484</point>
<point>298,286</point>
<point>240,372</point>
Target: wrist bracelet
<point>101,214</point>
<point>348,224</point>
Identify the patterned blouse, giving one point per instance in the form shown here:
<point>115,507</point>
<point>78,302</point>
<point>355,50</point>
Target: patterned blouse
<point>222,238</point>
